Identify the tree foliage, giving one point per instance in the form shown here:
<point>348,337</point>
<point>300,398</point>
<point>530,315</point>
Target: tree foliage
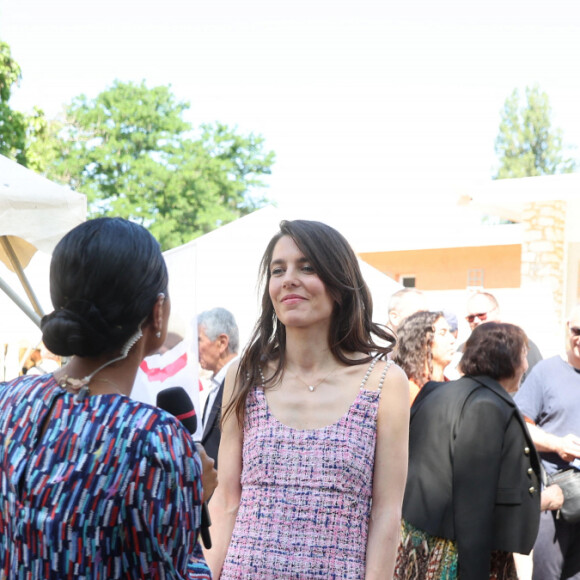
<point>12,123</point>
<point>131,151</point>
<point>41,141</point>
<point>22,137</point>
<point>527,144</point>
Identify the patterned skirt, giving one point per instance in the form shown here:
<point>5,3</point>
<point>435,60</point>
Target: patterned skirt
<point>425,557</point>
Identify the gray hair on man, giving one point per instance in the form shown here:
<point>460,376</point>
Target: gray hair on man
<point>220,321</point>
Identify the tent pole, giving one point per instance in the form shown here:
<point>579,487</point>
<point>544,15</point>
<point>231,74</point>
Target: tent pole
<point>20,303</point>
<point>21,276</point>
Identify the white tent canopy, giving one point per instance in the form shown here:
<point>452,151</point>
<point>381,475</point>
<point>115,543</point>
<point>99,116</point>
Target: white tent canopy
<point>34,214</point>
<point>221,269</point>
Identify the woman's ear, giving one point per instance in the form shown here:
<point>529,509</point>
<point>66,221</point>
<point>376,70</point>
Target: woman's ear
<point>159,314</point>
<point>156,325</point>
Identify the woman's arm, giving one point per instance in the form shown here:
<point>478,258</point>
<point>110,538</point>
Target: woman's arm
<point>390,475</point>
<point>224,503</point>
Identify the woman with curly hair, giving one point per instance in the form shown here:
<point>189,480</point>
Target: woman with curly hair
<point>425,347</point>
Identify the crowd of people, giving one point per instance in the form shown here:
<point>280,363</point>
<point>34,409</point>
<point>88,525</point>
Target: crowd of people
<point>347,447</point>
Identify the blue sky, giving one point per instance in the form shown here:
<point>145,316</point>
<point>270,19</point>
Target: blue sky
<point>354,97</point>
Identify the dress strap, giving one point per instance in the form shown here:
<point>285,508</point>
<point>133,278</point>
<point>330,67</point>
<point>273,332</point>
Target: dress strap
<point>368,373</point>
<point>383,374</point>
<point>262,377</point>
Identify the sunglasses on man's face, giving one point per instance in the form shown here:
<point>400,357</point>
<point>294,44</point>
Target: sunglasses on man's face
<point>482,316</point>
<point>574,331</point>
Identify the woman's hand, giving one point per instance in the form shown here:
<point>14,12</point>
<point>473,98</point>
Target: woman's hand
<point>209,477</point>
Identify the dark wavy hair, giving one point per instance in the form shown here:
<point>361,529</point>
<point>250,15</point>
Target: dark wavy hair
<point>105,276</point>
<point>351,328</point>
<point>494,349</point>
<point>414,345</point>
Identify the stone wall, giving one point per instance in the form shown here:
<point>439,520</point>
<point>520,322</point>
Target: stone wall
<point>543,250</point>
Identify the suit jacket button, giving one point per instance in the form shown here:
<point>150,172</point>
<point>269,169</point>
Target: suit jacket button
<point>530,471</point>
<point>532,490</point>
<point>527,450</point>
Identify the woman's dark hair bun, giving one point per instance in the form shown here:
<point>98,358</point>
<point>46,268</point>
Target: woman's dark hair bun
<point>105,277</point>
<point>79,329</point>
<point>65,333</point>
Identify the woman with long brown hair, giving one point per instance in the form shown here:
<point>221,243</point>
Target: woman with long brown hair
<point>314,446</point>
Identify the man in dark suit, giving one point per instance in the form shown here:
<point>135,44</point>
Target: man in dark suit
<point>218,341</point>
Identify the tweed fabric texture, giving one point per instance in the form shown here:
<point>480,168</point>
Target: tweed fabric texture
<point>306,494</point>
<point>111,489</point>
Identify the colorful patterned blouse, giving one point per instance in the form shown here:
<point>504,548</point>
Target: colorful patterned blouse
<point>111,488</point>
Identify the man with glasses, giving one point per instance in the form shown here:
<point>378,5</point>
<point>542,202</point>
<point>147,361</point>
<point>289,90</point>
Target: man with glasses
<point>550,401</point>
<point>483,307</point>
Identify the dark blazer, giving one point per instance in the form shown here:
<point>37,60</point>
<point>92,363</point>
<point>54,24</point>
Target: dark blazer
<point>474,474</point>
<point>212,432</point>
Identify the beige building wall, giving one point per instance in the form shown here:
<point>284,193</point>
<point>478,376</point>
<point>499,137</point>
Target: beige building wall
<point>453,268</point>
<point>543,250</point>
<point>573,280</point>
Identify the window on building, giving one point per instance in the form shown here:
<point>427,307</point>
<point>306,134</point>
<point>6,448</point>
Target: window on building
<point>475,278</point>
<point>407,281</point>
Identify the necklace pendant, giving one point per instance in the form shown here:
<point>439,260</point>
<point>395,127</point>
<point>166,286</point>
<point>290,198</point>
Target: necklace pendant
<point>311,388</point>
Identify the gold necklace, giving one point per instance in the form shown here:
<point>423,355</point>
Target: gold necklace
<point>313,386</point>
<point>103,380</point>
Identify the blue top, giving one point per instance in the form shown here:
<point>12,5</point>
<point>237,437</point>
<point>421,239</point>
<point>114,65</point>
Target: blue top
<point>111,489</point>
<point>550,397</point>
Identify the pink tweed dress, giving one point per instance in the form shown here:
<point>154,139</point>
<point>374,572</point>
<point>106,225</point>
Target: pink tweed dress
<point>306,494</point>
